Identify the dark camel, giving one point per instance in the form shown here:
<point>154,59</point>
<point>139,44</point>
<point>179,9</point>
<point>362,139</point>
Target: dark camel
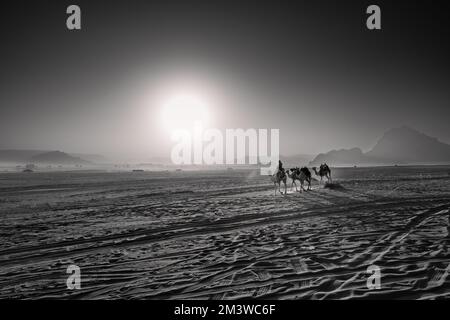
<point>324,171</point>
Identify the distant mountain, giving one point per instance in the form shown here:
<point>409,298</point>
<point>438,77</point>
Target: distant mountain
<point>95,158</point>
<point>18,156</point>
<point>57,157</point>
<point>297,160</point>
<point>343,157</point>
<point>406,145</point>
<point>289,161</point>
<point>25,156</point>
<point>402,145</point>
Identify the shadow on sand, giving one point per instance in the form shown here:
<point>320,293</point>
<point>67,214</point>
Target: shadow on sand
<point>333,186</point>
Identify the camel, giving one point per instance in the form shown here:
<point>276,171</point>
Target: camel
<point>292,174</point>
<point>277,178</point>
<point>307,174</point>
<point>301,175</point>
<point>324,171</point>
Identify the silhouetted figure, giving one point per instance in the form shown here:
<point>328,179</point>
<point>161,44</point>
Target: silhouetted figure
<point>277,178</point>
<point>307,174</point>
<point>300,175</point>
<point>306,171</point>
<point>324,171</point>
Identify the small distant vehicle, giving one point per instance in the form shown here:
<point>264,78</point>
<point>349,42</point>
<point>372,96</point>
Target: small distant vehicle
<point>138,170</point>
<point>27,170</point>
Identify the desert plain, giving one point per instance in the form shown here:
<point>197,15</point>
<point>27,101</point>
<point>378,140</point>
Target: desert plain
<point>225,235</point>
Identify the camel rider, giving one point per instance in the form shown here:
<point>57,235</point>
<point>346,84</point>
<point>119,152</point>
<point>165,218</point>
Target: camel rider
<point>280,167</point>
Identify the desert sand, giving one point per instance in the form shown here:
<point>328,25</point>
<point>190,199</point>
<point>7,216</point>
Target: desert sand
<point>224,235</point>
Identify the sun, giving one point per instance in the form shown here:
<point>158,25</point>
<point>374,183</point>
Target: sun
<point>183,111</point>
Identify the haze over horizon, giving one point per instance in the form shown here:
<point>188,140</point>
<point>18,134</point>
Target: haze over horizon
<point>318,75</point>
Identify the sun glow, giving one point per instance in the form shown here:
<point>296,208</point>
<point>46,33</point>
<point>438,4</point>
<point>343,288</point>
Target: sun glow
<point>183,111</point>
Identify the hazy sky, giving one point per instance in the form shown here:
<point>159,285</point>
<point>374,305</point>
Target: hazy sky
<point>309,68</point>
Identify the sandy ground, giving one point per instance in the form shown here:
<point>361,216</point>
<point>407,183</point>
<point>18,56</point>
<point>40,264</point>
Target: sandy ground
<point>224,235</point>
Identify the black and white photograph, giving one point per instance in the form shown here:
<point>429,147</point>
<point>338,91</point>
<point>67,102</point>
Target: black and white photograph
<point>247,150</point>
